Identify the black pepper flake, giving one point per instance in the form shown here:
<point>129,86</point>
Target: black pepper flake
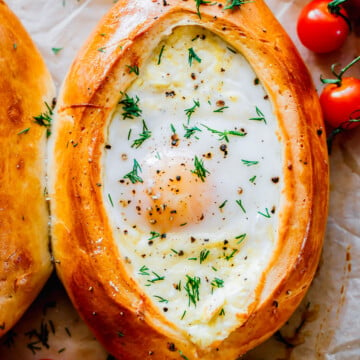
<point>170,93</point>
<point>192,239</point>
<point>256,81</point>
<point>273,210</point>
<point>178,178</point>
<point>223,148</point>
<point>171,347</point>
<point>275,179</point>
<point>181,253</point>
<point>266,97</point>
<point>165,309</point>
<point>319,132</point>
<point>193,76</point>
<point>165,3</point>
<point>107,146</point>
<point>150,242</point>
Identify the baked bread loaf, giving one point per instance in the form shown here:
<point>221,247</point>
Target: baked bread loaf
<point>188,179</point>
<point>25,88</point>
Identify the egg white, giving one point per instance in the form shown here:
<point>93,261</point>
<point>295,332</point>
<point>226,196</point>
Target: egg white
<point>202,274</point>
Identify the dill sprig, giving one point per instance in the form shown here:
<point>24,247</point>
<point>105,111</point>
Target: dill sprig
<point>133,174</point>
<point>156,278</point>
<point>219,283</point>
<point>190,131</point>
<point>224,135</point>
<point>161,299</point>
<point>228,257</point>
<point>45,119</point>
<point>198,3</point>
<point>144,270</point>
<point>146,134</point>
<point>133,69</point>
<point>161,54</point>
<point>266,214</point>
<point>203,255</point>
<point>231,4</point>
<point>191,110</point>
<point>239,202</point>
<point>130,107</point>
<point>240,238</point>
<point>154,235</point>
<point>200,170</point>
<point>249,162</point>
<point>261,116</point>
<point>193,56</point>
<point>221,109</point>
<point>192,289</point>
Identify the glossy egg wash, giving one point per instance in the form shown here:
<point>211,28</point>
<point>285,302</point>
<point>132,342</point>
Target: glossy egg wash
<point>192,183</point>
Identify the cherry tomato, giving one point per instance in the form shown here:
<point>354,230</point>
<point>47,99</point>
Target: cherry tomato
<point>341,103</point>
<point>321,30</point>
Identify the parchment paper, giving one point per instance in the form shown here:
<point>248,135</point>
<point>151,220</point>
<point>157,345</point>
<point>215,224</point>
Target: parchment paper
<point>327,324</point>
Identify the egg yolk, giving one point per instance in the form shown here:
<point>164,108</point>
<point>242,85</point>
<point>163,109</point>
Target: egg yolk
<point>172,196</point>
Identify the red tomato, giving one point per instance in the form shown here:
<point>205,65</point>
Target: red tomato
<point>320,30</point>
<point>341,103</point>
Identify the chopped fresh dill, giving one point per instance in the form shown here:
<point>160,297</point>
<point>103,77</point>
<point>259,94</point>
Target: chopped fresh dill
<point>231,4</point>
<point>133,174</point>
<point>221,109</point>
<point>156,278</point>
<point>200,170</point>
<point>111,201</point>
<point>266,214</point>
<point>228,257</point>
<point>183,315</point>
<point>240,238</point>
<point>224,135</point>
<point>154,235</point>
<point>219,283</point>
<point>252,179</point>
<point>190,131</point>
<point>56,50</point>
<point>249,162</point>
<point>198,3</point>
<point>45,119</point>
<point>130,107</point>
<point>191,110</point>
<point>239,202</point>
<point>192,287</point>
<point>146,134</point>
<point>232,50</point>
<point>25,131</point>
<point>222,312</point>
<point>203,255</point>
<point>133,69</point>
<point>144,270</point>
<point>223,204</point>
<point>173,130</point>
<point>161,299</point>
<point>161,54</point>
<point>261,116</point>
<point>193,56</point>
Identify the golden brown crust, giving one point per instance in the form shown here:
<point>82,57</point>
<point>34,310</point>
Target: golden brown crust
<point>88,98</point>
<point>25,85</point>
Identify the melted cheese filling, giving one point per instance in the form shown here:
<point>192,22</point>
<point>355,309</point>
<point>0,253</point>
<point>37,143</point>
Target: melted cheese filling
<point>192,183</point>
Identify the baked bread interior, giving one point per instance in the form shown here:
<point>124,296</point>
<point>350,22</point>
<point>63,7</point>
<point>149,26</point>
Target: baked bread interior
<point>188,179</point>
